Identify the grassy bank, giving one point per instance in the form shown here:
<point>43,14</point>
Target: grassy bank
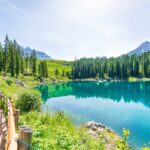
<point>58,132</point>
<point>13,87</point>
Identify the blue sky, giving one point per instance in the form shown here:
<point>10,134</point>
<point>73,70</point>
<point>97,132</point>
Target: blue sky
<point>68,28</point>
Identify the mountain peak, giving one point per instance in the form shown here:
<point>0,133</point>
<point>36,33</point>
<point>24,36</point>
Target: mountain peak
<point>146,42</point>
<point>40,54</point>
<point>144,47</point>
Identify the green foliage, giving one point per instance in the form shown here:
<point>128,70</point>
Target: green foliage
<point>145,148</point>
<point>122,143</point>
<point>29,101</point>
<point>42,69</point>
<point>13,61</point>
<point>126,134</point>
<point>3,105</point>
<point>9,82</point>
<point>64,68</point>
<point>121,67</point>
<point>33,62</point>
<point>57,131</point>
<point>56,72</point>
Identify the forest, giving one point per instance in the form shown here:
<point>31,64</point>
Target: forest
<point>121,67</point>
<point>14,61</point>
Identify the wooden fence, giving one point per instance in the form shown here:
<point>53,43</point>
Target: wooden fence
<point>13,140</point>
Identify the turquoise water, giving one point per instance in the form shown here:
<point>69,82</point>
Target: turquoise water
<point>116,104</point>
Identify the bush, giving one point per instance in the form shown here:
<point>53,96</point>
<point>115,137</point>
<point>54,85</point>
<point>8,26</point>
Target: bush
<point>122,144</point>
<point>9,82</point>
<point>3,106</point>
<point>29,101</point>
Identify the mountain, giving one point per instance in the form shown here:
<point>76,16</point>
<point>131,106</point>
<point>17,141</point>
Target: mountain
<point>144,47</point>
<point>39,54</point>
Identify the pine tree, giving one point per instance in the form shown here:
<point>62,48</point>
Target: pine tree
<point>1,58</point>
<point>33,59</point>
<point>12,64</point>
<point>56,72</point>
<point>21,62</point>
<point>6,45</point>
<point>17,58</point>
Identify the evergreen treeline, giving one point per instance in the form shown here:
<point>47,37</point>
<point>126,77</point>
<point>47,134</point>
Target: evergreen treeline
<point>14,61</point>
<point>121,67</point>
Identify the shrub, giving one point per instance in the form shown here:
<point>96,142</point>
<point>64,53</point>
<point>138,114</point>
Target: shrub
<point>29,101</point>
<point>3,106</point>
<point>122,144</point>
<point>9,82</point>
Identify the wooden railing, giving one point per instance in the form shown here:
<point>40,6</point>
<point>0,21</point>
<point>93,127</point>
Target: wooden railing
<point>12,136</point>
<point>13,140</point>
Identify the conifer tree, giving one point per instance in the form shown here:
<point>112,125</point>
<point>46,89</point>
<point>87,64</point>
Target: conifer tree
<point>33,59</point>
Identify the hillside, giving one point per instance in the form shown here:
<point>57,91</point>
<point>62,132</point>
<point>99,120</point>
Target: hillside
<point>61,66</point>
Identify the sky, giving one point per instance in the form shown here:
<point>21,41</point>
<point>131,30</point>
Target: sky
<point>66,29</point>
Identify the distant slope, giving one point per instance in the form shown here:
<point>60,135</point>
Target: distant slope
<point>40,55</point>
<point>61,66</point>
<point>144,47</point>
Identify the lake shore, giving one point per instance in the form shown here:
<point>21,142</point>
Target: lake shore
<point>97,80</point>
<point>110,137</point>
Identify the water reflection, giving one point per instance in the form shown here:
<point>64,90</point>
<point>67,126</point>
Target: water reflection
<point>117,91</point>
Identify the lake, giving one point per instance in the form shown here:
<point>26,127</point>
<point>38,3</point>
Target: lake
<point>115,104</point>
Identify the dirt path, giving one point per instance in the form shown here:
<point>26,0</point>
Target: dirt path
<point>3,130</point>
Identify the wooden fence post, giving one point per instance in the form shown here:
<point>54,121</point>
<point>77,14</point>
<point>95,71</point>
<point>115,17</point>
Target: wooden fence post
<point>25,136</point>
<point>16,115</point>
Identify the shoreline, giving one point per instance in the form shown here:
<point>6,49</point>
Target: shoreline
<point>91,80</point>
<point>101,132</point>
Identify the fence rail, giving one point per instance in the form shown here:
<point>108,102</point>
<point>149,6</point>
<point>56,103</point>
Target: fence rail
<point>12,136</point>
<point>13,140</point>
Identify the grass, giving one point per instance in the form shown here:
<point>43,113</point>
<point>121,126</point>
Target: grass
<point>13,90</point>
<point>58,132</point>
<point>61,66</point>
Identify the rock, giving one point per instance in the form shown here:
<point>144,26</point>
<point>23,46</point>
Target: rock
<point>90,124</point>
<point>109,130</point>
<point>94,127</point>
<point>100,125</point>
<point>20,83</point>
<point>107,136</point>
<point>100,130</point>
<point>93,134</point>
